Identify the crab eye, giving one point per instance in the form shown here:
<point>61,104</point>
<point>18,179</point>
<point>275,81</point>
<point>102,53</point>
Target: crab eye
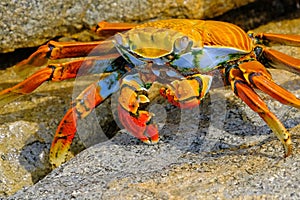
<point>120,40</point>
<point>181,44</point>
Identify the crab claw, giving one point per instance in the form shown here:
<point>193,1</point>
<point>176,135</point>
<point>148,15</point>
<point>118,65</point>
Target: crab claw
<point>187,92</point>
<point>133,98</point>
<point>139,125</point>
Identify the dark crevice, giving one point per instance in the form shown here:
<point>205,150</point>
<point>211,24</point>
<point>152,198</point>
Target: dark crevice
<point>12,58</point>
<point>261,12</point>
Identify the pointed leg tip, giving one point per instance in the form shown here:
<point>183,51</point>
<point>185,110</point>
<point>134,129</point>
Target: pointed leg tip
<point>288,151</point>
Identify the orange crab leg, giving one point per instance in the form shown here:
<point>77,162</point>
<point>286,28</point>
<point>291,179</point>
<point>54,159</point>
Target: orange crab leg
<point>256,75</point>
<point>83,105</point>
<point>56,50</point>
<point>244,91</point>
<point>188,92</point>
<point>280,60</point>
<point>63,138</point>
<point>25,87</point>
<point>268,39</point>
<point>53,72</point>
<point>275,58</point>
<point>104,27</point>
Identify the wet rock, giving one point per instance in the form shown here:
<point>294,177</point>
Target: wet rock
<point>32,23</point>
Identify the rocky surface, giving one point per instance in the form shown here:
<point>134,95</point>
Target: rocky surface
<point>32,23</point>
<point>173,169</point>
<point>226,151</point>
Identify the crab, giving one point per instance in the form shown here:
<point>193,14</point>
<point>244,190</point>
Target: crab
<point>180,54</point>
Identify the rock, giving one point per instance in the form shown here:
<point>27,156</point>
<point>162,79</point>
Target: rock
<point>32,23</point>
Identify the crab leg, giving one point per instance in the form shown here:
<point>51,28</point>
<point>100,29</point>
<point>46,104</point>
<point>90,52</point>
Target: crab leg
<point>132,99</point>
<point>83,105</point>
<point>187,92</point>
<point>56,50</point>
<point>280,60</point>
<point>53,72</point>
<point>103,27</point>
<point>256,75</point>
<point>244,91</point>
<point>268,39</point>
<point>275,58</point>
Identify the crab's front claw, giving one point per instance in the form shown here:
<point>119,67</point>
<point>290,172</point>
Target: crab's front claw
<point>187,92</point>
<point>139,126</point>
<point>132,101</point>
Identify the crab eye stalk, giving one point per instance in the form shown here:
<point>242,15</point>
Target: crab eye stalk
<point>119,39</point>
<point>182,45</point>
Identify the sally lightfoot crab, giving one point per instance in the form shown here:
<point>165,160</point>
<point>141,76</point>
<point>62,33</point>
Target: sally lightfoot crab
<point>180,54</point>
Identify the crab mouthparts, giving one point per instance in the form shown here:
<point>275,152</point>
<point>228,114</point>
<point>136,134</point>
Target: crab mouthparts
<point>151,52</point>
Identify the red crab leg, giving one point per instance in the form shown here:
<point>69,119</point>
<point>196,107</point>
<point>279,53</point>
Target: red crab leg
<point>53,72</point>
<point>91,97</point>
<point>133,95</point>
<point>187,92</point>
<point>244,91</point>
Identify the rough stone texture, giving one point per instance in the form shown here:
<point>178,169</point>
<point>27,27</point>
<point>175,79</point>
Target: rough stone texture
<point>165,171</point>
<point>26,130</point>
<point>32,23</point>
<point>226,151</point>
<point>27,126</point>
